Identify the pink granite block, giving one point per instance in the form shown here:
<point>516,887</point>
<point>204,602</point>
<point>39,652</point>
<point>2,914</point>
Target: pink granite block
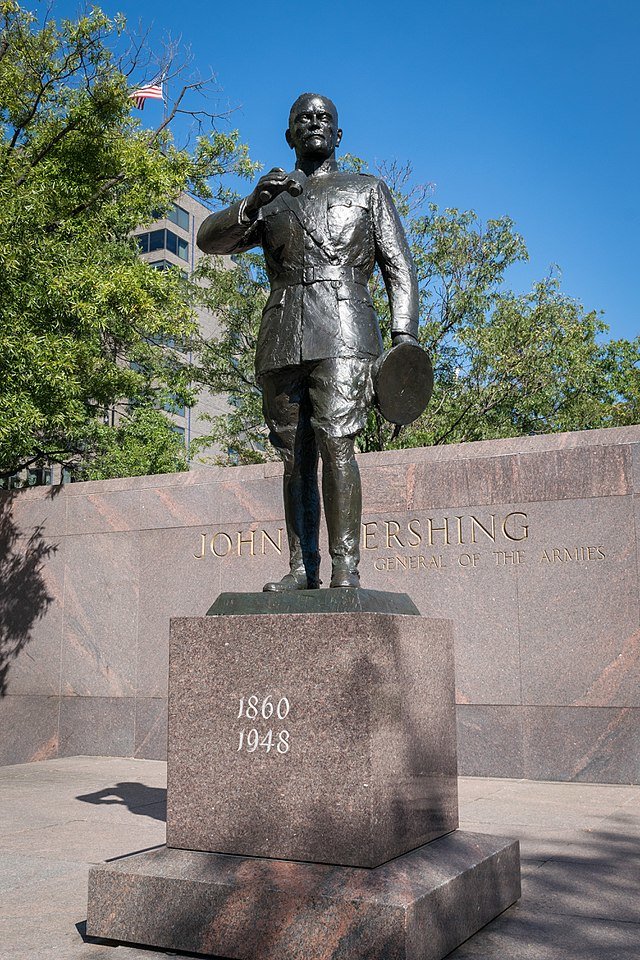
<point>349,756</point>
<point>418,907</point>
<point>574,474</point>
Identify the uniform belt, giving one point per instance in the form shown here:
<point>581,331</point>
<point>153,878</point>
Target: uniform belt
<point>318,274</point>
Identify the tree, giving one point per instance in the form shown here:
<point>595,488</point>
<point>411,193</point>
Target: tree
<point>505,364</point>
<point>227,362</point>
<point>82,319</point>
<point>142,443</point>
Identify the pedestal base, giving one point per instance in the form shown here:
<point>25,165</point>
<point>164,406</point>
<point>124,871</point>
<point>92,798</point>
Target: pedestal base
<point>417,907</point>
<point>313,601</point>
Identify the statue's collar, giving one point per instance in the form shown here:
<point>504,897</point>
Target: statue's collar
<point>329,166</point>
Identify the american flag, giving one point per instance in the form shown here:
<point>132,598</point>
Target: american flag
<point>151,91</point>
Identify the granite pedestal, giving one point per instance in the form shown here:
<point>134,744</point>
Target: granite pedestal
<point>328,738</point>
<point>312,796</point>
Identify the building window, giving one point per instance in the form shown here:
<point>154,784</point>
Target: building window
<point>179,216</point>
<point>163,240</point>
<point>156,240</point>
<point>38,476</point>
<point>182,245</point>
<point>11,483</point>
<point>178,430</point>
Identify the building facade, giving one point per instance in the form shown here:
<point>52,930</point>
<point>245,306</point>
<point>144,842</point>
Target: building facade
<point>171,242</point>
<point>167,242</point>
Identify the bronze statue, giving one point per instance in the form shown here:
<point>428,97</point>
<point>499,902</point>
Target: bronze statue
<point>322,232</point>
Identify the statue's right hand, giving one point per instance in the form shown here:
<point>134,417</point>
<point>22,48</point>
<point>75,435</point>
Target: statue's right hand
<point>267,188</point>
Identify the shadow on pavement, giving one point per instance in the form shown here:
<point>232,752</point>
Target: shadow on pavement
<point>137,797</point>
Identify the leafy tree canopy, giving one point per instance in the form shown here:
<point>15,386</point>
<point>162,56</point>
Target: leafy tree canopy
<point>140,444</point>
<point>505,364</point>
<point>82,318</point>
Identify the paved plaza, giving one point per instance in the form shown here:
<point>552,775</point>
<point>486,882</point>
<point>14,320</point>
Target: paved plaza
<point>580,846</point>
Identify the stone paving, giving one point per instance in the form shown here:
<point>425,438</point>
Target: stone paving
<point>580,847</point>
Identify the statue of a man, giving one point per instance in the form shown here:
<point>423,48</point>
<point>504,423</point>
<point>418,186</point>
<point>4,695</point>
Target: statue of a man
<point>322,231</point>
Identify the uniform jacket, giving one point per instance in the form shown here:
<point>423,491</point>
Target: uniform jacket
<point>320,250</point>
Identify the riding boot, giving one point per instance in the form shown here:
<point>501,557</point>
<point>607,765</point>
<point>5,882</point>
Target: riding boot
<point>342,498</point>
<point>302,518</point>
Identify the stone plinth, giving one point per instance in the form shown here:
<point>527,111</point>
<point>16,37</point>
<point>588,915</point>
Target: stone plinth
<point>320,737</point>
<point>418,907</point>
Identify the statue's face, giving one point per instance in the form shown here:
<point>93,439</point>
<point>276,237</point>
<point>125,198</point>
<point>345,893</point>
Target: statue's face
<point>313,129</point>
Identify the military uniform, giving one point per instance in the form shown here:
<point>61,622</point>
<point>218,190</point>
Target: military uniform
<point>319,336</point>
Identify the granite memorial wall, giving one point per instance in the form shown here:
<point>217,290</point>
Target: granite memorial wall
<point>529,544</point>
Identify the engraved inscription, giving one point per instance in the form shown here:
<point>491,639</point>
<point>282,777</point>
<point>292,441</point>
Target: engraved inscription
<point>258,710</point>
<point>444,531</point>
<point>580,554</point>
<point>504,558</point>
<point>401,546</point>
<point>252,543</point>
<point>250,741</point>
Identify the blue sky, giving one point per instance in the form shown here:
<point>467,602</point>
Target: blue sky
<point>520,107</point>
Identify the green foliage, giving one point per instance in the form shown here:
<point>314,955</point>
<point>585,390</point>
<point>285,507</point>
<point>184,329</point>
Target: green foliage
<point>142,443</point>
<point>82,318</point>
<point>237,297</point>
<point>505,364</point>
<point>508,364</point>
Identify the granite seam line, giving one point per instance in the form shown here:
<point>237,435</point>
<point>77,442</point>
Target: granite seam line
<point>518,630</point>
<point>63,622</point>
<point>635,501</point>
<point>258,520</point>
<point>548,908</point>
<point>137,645</point>
<point>475,703</point>
<point>373,897</point>
<point>542,706</point>
<point>546,443</point>
<point>198,526</point>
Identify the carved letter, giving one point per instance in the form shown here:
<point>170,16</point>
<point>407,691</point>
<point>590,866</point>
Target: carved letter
<point>414,528</point>
<point>489,533</point>
<point>393,535</point>
<point>369,535</point>
<point>267,539</point>
<point>203,538</point>
<point>228,541</point>
<point>525,526</point>
<point>433,530</point>
<point>251,540</point>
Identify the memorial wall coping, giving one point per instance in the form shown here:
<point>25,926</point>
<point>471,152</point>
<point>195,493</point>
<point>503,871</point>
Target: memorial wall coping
<point>529,544</point>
